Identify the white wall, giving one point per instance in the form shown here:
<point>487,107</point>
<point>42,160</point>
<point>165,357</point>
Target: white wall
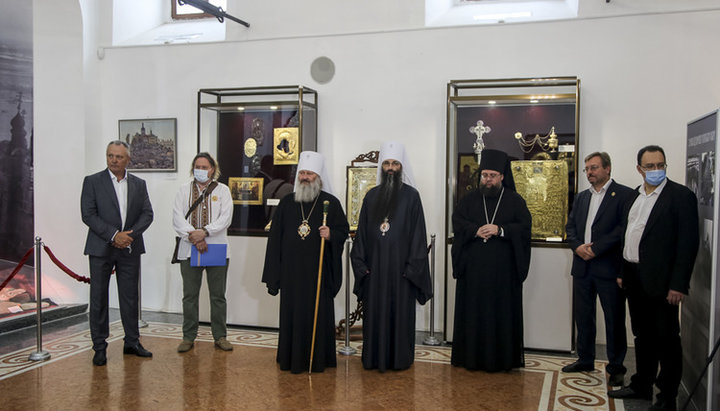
<point>59,143</point>
<point>288,19</point>
<point>131,17</point>
<point>642,78</point>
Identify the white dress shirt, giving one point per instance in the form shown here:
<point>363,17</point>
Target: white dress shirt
<point>637,219</point>
<point>121,190</point>
<point>596,198</point>
<point>220,217</point>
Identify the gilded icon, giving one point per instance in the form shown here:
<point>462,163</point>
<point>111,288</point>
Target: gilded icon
<point>286,145</point>
<point>544,186</point>
<point>360,181</point>
<point>467,175</point>
<point>246,190</point>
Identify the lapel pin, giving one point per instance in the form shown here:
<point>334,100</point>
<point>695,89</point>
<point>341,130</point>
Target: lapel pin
<point>612,194</point>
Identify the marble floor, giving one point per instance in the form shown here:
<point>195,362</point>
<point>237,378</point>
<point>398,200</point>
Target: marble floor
<point>248,377</point>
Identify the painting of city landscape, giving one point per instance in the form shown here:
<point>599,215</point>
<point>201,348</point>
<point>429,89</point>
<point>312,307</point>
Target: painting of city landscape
<point>153,143</point>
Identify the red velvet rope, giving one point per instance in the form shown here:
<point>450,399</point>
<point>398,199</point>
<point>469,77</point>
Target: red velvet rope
<point>64,268</point>
<point>17,269</point>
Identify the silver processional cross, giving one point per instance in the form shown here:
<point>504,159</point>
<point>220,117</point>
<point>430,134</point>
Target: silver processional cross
<point>479,129</point>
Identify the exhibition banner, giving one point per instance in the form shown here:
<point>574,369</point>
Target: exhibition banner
<point>698,327</point>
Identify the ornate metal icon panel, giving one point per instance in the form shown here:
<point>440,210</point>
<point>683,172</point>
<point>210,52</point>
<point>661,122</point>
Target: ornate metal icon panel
<point>360,181</point>
<point>544,186</point>
<point>287,145</point>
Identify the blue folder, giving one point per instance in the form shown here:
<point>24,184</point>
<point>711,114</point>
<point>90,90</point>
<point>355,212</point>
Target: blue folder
<point>215,255</point>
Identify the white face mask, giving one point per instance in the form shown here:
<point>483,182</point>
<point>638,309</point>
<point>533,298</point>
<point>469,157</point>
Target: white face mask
<point>202,176</point>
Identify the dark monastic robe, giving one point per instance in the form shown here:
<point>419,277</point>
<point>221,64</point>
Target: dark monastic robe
<point>291,266</point>
<point>391,273</point>
<point>488,331</point>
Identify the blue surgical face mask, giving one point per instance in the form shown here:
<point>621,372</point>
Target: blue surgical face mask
<point>201,175</point>
<point>654,177</point>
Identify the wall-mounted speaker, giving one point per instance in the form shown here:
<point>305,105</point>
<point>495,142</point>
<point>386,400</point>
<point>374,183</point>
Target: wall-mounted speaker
<point>322,70</point>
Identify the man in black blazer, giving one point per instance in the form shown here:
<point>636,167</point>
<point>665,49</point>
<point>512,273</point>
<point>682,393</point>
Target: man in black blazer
<point>116,207</point>
<point>660,245</point>
<point>594,232</point>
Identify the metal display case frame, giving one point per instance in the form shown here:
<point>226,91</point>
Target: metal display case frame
<point>490,114</point>
<point>546,108</point>
<point>256,134</point>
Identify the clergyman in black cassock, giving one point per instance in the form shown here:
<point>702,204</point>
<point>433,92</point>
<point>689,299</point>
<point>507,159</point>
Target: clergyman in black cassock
<point>491,258</point>
<point>291,267</point>
<point>390,262</point>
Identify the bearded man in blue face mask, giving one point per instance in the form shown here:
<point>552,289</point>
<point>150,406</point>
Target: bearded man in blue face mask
<point>660,245</point>
<point>201,216</point>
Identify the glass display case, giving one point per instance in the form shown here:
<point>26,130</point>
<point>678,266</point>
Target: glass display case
<point>257,135</point>
<point>536,122</point>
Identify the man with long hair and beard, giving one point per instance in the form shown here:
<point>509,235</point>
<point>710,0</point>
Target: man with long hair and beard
<point>491,258</point>
<point>206,224</point>
<point>291,267</point>
<point>390,262</point>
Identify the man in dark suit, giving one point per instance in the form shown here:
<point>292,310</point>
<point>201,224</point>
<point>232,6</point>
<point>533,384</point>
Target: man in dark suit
<point>594,232</point>
<point>660,245</point>
<point>116,207</point>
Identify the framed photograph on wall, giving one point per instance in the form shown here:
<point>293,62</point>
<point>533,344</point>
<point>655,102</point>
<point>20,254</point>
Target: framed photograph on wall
<point>153,143</point>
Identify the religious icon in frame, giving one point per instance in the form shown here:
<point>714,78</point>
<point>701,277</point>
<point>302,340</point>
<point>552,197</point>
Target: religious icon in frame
<point>246,190</point>
<point>359,181</point>
<point>467,175</point>
<point>544,186</point>
<point>287,145</point>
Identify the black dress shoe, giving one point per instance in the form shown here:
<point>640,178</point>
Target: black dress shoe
<point>616,380</point>
<point>577,366</point>
<point>664,405</point>
<point>100,358</point>
<point>630,392</point>
<point>137,349</point>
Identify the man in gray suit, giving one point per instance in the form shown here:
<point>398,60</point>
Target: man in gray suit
<point>116,207</point>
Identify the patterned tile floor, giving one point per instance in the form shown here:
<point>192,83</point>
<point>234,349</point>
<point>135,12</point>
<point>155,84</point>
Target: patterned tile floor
<point>581,391</point>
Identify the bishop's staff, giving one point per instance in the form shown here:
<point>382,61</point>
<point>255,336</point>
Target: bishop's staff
<point>317,294</point>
